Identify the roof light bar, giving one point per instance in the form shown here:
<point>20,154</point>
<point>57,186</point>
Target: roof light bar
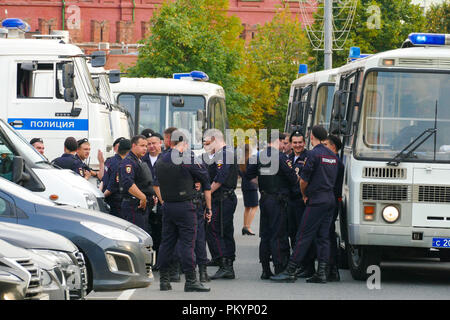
<point>303,69</point>
<point>193,75</point>
<point>15,23</point>
<point>431,39</point>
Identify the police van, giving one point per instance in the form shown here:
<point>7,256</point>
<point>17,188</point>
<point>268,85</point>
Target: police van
<point>47,92</point>
<point>392,111</point>
<point>121,122</point>
<point>187,102</point>
<point>310,101</point>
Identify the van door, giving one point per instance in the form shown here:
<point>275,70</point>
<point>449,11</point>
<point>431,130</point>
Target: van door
<point>7,209</point>
<point>37,107</point>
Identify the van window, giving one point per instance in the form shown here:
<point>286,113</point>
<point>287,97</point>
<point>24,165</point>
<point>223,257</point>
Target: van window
<point>36,83</point>
<point>5,209</point>
<point>6,162</point>
<point>129,102</point>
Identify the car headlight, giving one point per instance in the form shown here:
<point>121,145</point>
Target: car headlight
<point>138,231</point>
<point>110,232</point>
<point>46,278</point>
<point>91,201</point>
<point>391,214</point>
<point>62,259</point>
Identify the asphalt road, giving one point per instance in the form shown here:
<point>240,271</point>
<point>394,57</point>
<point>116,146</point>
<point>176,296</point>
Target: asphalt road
<point>425,279</point>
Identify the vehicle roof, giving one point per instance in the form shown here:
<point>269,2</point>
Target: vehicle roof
<point>166,86</point>
<point>319,76</point>
<point>37,47</point>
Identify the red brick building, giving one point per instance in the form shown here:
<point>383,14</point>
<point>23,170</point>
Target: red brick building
<point>119,24</point>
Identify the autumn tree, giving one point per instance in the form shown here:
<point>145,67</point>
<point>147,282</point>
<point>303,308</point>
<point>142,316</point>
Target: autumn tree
<point>438,18</point>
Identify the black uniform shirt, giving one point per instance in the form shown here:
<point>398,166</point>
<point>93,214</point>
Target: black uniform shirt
<point>223,167</point>
<point>70,161</point>
<point>298,164</point>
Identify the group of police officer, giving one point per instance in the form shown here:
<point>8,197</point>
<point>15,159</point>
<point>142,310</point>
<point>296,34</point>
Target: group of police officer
<point>186,202</point>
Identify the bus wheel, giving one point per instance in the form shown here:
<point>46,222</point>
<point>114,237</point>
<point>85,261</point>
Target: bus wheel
<point>360,258</point>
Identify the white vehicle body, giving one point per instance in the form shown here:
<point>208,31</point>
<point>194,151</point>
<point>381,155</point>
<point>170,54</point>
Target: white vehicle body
<point>32,103</point>
<point>402,205</point>
<point>310,101</point>
<point>149,100</point>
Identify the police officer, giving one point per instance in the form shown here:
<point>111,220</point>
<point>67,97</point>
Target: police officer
<point>105,178</point>
<point>318,179</point>
<point>296,206</point>
<point>335,145</point>
<point>113,196</point>
<point>83,152</point>
<point>69,160</point>
<point>220,232</point>
<point>275,179</point>
<point>135,181</point>
<point>38,144</point>
<point>175,179</point>
<point>200,243</point>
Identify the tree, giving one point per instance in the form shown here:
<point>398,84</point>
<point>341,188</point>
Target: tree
<point>188,35</point>
<point>438,18</point>
<point>275,53</point>
<point>379,25</point>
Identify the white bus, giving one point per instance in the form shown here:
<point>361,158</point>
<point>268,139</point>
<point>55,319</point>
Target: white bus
<point>159,103</point>
<point>392,110</point>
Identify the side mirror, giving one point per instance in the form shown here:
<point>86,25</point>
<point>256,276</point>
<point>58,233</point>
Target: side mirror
<point>178,102</point>
<point>114,76</point>
<point>19,176</point>
<point>68,75</point>
<point>70,95</point>
<point>98,59</point>
<point>200,115</point>
<point>29,66</point>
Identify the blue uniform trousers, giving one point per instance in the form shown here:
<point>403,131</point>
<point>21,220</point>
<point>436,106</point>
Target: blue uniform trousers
<point>315,227</point>
<point>115,205</point>
<point>273,230</point>
<point>295,210</point>
<point>131,213</point>
<point>179,231</point>
<point>200,243</point>
<point>222,246</point>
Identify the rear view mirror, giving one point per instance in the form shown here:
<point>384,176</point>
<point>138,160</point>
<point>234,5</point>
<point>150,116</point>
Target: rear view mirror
<point>19,176</point>
<point>98,59</point>
<point>339,123</point>
<point>70,95</point>
<point>114,76</point>
<point>68,75</point>
<point>178,102</point>
<point>29,66</point>
<point>200,115</point>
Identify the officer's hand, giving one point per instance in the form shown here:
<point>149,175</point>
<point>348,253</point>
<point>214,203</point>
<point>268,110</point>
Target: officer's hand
<point>87,174</point>
<point>208,215</point>
<point>100,157</point>
<point>143,204</point>
<point>198,185</point>
<point>305,199</point>
<point>155,199</point>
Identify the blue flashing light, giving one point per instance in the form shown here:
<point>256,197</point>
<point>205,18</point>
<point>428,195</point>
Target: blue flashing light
<point>355,53</point>
<point>181,75</point>
<point>303,69</point>
<point>199,75</point>
<point>428,39</point>
<point>15,23</point>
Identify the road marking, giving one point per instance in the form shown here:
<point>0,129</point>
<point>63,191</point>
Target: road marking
<point>126,295</point>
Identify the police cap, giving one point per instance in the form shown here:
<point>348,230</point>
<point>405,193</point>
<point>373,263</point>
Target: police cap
<point>117,141</point>
<point>34,140</point>
<point>296,133</point>
<point>147,133</point>
<point>124,146</point>
<point>81,141</point>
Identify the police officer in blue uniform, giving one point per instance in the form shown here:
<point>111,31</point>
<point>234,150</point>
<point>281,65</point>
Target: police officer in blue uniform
<point>175,180</point>
<point>111,187</point>
<point>135,181</point>
<point>220,232</point>
<point>318,179</point>
<point>335,145</point>
<point>69,160</point>
<point>274,181</point>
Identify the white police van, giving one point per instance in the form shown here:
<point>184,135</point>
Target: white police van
<point>186,102</point>
<point>310,101</point>
<point>34,103</point>
<point>392,110</point>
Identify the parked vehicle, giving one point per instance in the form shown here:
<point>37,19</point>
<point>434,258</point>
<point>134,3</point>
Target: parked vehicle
<point>118,254</point>
<point>53,247</point>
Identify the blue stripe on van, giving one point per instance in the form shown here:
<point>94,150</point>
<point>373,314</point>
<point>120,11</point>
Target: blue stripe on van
<point>50,124</point>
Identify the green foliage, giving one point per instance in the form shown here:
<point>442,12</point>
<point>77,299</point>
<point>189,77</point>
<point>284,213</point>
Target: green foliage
<point>191,35</point>
<point>438,18</point>
<point>397,20</point>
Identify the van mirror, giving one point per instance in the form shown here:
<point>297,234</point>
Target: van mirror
<point>98,59</point>
<point>29,66</point>
<point>114,76</point>
<point>68,75</point>
<point>200,115</point>
<point>18,174</point>
<point>70,95</point>
<point>178,101</point>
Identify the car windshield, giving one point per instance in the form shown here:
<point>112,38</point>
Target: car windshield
<point>397,108</point>
<point>24,149</point>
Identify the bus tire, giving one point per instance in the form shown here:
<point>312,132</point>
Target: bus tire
<point>360,258</point>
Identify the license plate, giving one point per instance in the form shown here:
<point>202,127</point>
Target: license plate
<point>441,243</point>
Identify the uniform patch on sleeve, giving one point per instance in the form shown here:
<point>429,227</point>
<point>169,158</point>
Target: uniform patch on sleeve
<point>219,164</point>
<point>289,163</point>
<point>81,172</point>
<point>128,168</point>
<point>329,160</point>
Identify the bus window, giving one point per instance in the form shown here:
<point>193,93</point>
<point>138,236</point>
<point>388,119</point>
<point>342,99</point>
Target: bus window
<point>129,102</point>
<point>323,105</point>
<point>151,107</point>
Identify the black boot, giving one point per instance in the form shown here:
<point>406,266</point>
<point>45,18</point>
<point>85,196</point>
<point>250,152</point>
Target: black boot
<point>175,272</point>
<point>225,270</point>
<point>288,275</point>
<point>213,263</point>
<point>266,273</point>
<point>192,284</point>
<point>305,272</point>
<point>164,282</point>
<point>279,268</point>
<point>321,275</point>
<point>203,274</point>
<point>333,274</point>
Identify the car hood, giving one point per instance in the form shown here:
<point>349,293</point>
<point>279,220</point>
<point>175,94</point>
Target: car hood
<point>8,250</point>
<point>34,238</point>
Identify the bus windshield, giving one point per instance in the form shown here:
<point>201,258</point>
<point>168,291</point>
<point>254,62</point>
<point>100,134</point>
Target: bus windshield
<point>397,107</point>
<point>324,104</point>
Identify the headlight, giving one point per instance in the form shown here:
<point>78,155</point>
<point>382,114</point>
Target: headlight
<point>62,259</point>
<point>138,231</point>
<point>110,232</point>
<point>391,214</point>
<point>46,278</point>
<point>91,201</point>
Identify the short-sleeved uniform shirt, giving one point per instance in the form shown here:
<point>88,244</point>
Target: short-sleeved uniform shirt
<point>320,171</point>
<point>72,162</point>
<point>222,167</point>
<point>297,163</point>
<point>111,175</point>
<point>129,169</point>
